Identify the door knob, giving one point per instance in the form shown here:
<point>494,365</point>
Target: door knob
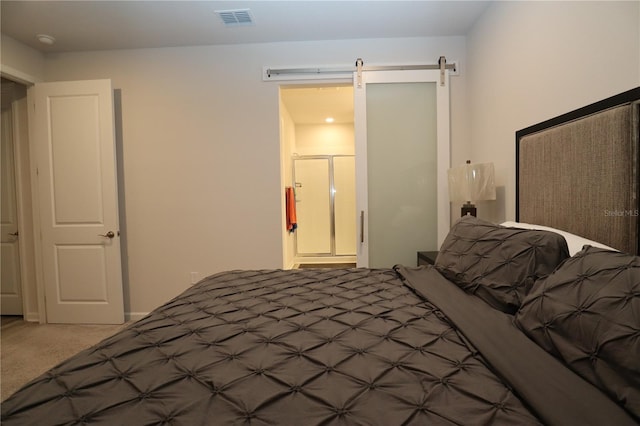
<point>109,234</point>
<point>14,234</point>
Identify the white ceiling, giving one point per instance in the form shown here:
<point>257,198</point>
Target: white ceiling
<point>79,25</point>
<point>99,25</point>
<point>312,105</point>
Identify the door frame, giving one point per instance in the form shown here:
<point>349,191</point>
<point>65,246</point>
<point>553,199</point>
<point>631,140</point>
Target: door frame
<point>332,207</point>
<point>26,214</point>
<point>289,258</point>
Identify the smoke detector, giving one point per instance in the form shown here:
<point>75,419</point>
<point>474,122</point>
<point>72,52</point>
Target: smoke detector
<point>235,17</point>
<point>46,39</point>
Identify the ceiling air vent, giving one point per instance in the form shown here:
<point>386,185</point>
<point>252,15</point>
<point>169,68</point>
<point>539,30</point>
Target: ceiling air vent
<point>235,17</point>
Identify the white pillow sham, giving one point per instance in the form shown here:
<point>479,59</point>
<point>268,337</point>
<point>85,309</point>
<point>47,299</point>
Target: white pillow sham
<point>574,242</point>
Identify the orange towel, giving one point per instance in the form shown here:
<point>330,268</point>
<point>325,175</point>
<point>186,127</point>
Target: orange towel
<point>290,200</point>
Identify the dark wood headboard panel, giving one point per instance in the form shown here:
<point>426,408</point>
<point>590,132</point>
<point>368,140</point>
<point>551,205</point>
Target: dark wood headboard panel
<point>580,172</point>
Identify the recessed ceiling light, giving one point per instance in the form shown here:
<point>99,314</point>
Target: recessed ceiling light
<point>46,39</point>
<point>329,120</point>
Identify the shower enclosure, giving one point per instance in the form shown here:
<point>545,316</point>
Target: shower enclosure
<point>325,205</point>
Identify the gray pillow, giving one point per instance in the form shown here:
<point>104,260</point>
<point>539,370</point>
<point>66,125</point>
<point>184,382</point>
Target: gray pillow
<point>496,263</point>
<point>587,313</point>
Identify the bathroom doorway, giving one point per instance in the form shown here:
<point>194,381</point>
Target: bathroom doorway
<point>318,148</point>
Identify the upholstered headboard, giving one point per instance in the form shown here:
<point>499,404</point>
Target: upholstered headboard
<point>579,172</point>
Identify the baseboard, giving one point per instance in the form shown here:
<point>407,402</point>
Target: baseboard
<point>134,316</point>
<point>324,259</point>
<point>32,317</point>
<point>128,316</point>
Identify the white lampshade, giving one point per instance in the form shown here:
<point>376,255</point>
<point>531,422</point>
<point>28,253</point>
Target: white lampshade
<point>472,182</point>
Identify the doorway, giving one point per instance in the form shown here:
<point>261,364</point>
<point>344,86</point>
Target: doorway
<point>318,147</point>
<point>426,86</point>
<point>28,216</point>
<point>18,281</point>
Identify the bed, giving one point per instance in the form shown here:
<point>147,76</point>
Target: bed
<point>509,327</point>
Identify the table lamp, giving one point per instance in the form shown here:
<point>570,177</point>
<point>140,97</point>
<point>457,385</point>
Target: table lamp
<point>470,183</point>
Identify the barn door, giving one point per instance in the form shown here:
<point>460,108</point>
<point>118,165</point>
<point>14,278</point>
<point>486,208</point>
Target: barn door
<point>402,157</point>
<point>73,148</point>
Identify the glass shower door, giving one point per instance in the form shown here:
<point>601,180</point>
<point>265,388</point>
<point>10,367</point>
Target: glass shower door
<point>402,152</point>
<point>313,206</point>
<point>325,204</point>
<point>344,190</point>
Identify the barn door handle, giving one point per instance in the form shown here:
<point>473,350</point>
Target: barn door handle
<point>362,226</point>
<point>109,234</point>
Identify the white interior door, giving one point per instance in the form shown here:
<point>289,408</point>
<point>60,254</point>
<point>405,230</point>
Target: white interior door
<point>402,157</point>
<point>73,147</point>
<point>10,281</point>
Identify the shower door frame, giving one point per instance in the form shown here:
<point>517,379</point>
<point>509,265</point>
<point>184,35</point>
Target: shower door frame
<point>332,210</point>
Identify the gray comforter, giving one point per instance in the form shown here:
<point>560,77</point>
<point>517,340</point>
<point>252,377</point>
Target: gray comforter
<point>302,347</point>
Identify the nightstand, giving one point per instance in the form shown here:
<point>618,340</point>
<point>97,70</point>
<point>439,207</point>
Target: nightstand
<point>427,257</point>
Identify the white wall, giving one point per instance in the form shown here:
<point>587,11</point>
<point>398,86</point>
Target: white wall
<point>531,61</point>
<point>201,148</point>
<point>21,63</point>
<point>325,139</point>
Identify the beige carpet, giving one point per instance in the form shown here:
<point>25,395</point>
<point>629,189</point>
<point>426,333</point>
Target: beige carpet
<point>29,349</point>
